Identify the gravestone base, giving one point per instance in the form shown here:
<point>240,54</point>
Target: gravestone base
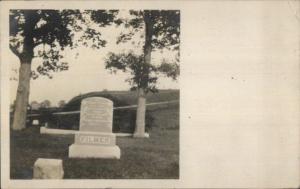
<point>93,151</point>
<point>94,145</point>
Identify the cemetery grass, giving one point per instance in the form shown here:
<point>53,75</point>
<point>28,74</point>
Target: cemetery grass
<point>153,158</point>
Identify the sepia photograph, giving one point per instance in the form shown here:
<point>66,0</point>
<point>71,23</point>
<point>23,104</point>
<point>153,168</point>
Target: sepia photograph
<point>94,94</point>
<point>150,94</point>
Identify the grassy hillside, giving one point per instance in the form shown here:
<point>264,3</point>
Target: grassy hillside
<point>123,119</point>
<point>131,96</point>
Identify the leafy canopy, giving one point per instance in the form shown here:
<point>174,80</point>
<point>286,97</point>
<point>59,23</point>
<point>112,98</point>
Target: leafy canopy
<point>160,29</point>
<point>54,30</point>
<point>163,27</point>
<point>144,75</point>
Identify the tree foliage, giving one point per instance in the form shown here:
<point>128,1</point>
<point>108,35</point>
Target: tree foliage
<point>61,103</point>
<point>53,31</point>
<point>158,29</point>
<point>134,64</point>
<point>164,27</point>
<point>46,104</point>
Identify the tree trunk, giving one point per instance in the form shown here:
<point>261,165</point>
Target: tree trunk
<point>19,121</point>
<point>141,109</point>
<point>140,115</point>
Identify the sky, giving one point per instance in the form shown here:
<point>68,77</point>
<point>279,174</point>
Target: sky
<point>87,71</point>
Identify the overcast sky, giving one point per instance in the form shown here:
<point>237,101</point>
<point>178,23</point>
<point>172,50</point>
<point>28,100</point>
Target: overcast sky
<point>87,71</point>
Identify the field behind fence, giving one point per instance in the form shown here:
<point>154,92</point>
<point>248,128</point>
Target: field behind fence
<point>124,110</point>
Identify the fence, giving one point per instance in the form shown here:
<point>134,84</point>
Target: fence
<point>115,108</point>
<point>124,121</point>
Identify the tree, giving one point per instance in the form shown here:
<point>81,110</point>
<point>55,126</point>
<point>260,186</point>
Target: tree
<point>35,105</point>
<point>61,103</point>
<point>161,30</point>
<point>54,30</point>
<point>46,104</point>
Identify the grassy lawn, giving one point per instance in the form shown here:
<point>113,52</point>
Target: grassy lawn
<point>153,158</point>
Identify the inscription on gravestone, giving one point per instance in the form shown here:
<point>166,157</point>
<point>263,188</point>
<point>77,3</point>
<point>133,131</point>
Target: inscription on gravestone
<point>95,138</point>
<point>96,114</point>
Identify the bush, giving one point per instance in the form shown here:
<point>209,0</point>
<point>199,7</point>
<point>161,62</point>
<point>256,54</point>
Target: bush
<point>123,119</point>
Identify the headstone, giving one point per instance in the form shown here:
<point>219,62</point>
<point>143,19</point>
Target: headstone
<point>96,114</point>
<point>48,169</point>
<point>95,138</point>
<point>35,122</point>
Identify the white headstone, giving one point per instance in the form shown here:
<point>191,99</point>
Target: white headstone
<point>95,138</point>
<point>35,122</point>
<point>48,169</point>
<point>96,114</point>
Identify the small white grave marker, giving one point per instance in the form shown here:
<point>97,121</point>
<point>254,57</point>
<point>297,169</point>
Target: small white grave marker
<point>48,169</point>
<point>35,122</point>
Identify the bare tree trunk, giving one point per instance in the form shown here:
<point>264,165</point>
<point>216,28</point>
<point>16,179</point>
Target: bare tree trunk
<point>19,121</point>
<point>140,115</point>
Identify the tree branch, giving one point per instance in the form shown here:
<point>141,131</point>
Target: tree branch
<point>38,43</point>
<point>14,50</point>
